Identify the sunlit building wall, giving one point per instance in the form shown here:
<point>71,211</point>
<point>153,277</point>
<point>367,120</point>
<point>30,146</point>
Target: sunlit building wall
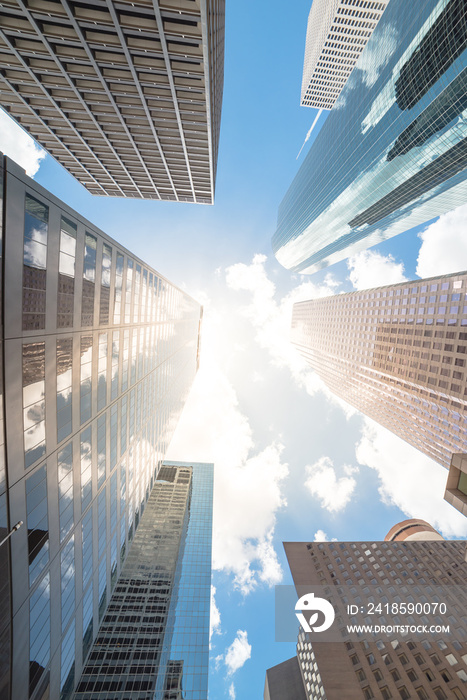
<point>127,96</point>
<point>398,354</point>
<point>337,33</point>
<point>154,638</point>
<point>392,152</point>
<point>99,354</point>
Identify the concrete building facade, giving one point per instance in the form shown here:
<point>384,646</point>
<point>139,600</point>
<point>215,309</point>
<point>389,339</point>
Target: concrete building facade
<point>392,152</point>
<point>337,32</point>
<point>422,667</point>
<point>127,96</point>
<point>398,354</point>
<point>99,353</point>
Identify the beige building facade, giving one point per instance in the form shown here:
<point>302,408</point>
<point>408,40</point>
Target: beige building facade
<point>126,96</point>
<point>337,33</point>
<point>398,354</point>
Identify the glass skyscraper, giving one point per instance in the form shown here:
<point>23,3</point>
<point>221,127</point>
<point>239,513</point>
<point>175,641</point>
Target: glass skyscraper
<point>398,354</point>
<point>99,353</point>
<point>153,643</point>
<point>392,152</point>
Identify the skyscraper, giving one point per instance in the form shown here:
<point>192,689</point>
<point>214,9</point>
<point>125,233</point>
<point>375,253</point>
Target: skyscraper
<point>456,486</point>
<point>384,665</point>
<point>127,96</point>
<point>391,154</point>
<point>337,32</point>
<point>153,643</point>
<point>398,354</point>
<point>99,353</point>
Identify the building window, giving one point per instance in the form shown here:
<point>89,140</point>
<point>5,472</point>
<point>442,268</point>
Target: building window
<point>66,273</point>
<point>33,402</point>
<point>39,632</point>
<point>104,305</point>
<point>87,618</point>
<point>64,387</point>
<point>113,436</point>
<point>113,561</point>
<point>101,523</point>
<point>65,489</point>
<point>101,450</point>
<point>123,424</point>
<point>36,223</point>
<point>89,279</point>
<point>126,351</point>
<point>118,289</point>
<point>37,523</point>
<point>67,570</point>
<point>86,468</point>
<point>102,588</point>
<point>136,302</point>
<point>85,378</point>
<point>114,368</point>
<point>102,372</point>
<point>128,289</point>
<point>67,666</point>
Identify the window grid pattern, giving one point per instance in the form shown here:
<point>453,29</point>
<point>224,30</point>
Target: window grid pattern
<point>390,667</point>
<point>398,354</point>
<point>337,33</point>
<point>146,93</point>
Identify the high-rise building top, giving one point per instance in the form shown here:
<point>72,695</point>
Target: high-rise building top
<point>126,95</point>
<point>153,643</point>
<point>392,152</point>
<point>413,529</point>
<point>337,32</point>
<point>398,354</point>
<point>98,352</point>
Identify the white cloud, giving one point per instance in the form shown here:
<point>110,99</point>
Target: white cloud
<point>321,536</point>
<point>334,492</point>
<point>444,245</point>
<point>409,479</point>
<point>238,652</point>
<point>370,269</point>
<point>19,146</point>
<point>215,616</point>
<point>232,695</point>
<point>272,321</point>
<point>376,55</point>
<point>247,482</point>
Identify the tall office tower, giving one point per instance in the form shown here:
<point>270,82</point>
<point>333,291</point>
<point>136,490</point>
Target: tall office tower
<point>456,486</point>
<point>398,354</point>
<point>126,96</point>
<point>153,643</point>
<point>423,667</point>
<point>392,153</point>
<point>99,353</point>
<point>337,32</point>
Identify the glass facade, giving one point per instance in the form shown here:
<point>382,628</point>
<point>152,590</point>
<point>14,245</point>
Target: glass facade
<point>95,390</point>
<point>153,643</point>
<point>392,153</point>
<point>398,354</point>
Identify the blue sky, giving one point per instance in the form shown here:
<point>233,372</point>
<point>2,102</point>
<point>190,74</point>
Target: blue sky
<point>282,445</point>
